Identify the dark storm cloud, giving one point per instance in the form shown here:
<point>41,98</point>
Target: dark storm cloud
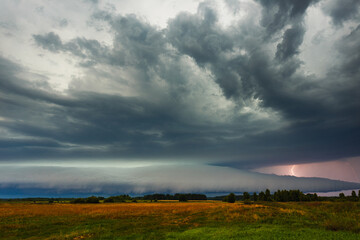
<point>342,10</point>
<point>349,48</point>
<point>135,43</point>
<point>292,39</point>
<point>198,36</point>
<point>316,117</point>
<point>91,50</point>
<point>277,14</point>
<point>88,124</point>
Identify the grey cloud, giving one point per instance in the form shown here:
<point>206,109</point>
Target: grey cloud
<point>198,36</point>
<point>135,43</point>
<point>233,5</point>
<point>342,10</point>
<point>50,41</point>
<point>92,1</point>
<point>349,47</point>
<point>63,22</point>
<point>138,42</point>
<point>292,39</point>
<point>277,14</point>
<point>90,50</point>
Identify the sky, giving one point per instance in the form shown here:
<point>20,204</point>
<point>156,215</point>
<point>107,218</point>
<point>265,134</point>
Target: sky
<point>112,97</point>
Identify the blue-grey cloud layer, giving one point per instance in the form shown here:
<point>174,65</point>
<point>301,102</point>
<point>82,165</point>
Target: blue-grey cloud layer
<point>29,180</point>
<point>168,112</point>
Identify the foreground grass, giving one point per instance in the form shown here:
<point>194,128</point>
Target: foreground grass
<point>174,220</point>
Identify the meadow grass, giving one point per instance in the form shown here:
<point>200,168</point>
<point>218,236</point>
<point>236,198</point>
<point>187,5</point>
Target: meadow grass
<point>174,220</point>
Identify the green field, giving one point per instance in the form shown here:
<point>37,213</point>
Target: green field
<point>175,220</point>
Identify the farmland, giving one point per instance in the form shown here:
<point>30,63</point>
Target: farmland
<point>181,220</point>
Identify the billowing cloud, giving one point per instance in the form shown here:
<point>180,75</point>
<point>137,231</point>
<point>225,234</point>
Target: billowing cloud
<point>225,85</point>
<point>342,11</point>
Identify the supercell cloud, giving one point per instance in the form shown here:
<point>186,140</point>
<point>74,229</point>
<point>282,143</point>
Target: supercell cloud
<point>227,87</point>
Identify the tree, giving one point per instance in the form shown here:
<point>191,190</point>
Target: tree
<point>267,195</point>
<point>246,196</point>
<point>230,198</point>
<point>261,196</point>
<point>92,199</point>
<point>255,196</point>
<point>182,198</point>
<point>342,196</point>
<point>353,196</point>
<point>315,197</point>
<point>277,195</point>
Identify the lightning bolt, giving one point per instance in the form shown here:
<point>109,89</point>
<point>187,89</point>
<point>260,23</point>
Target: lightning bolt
<point>292,170</point>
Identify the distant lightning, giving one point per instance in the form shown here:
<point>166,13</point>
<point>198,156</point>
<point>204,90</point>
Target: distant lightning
<point>292,170</point>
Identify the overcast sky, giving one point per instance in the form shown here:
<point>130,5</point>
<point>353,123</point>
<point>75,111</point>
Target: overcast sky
<point>202,96</point>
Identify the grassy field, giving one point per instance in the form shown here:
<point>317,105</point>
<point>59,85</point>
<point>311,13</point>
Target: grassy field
<point>174,220</point>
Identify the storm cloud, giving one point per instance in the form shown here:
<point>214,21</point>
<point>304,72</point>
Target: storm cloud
<point>342,11</point>
<point>237,95</point>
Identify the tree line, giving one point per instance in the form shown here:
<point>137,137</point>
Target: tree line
<point>278,196</point>
<point>177,196</point>
<point>287,196</point>
<point>182,197</point>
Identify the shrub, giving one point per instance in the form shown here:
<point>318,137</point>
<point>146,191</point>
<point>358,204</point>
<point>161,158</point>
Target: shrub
<point>109,200</point>
<point>247,202</point>
<point>79,200</point>
<point>230,198</point>
<point>92,199</point>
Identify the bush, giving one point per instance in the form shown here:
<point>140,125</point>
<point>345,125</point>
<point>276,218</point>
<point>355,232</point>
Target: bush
<point>230,198</point>
<point>92,199</point>
<point>109,200</point>
<point>247,202</point>
<point>79,200</point>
